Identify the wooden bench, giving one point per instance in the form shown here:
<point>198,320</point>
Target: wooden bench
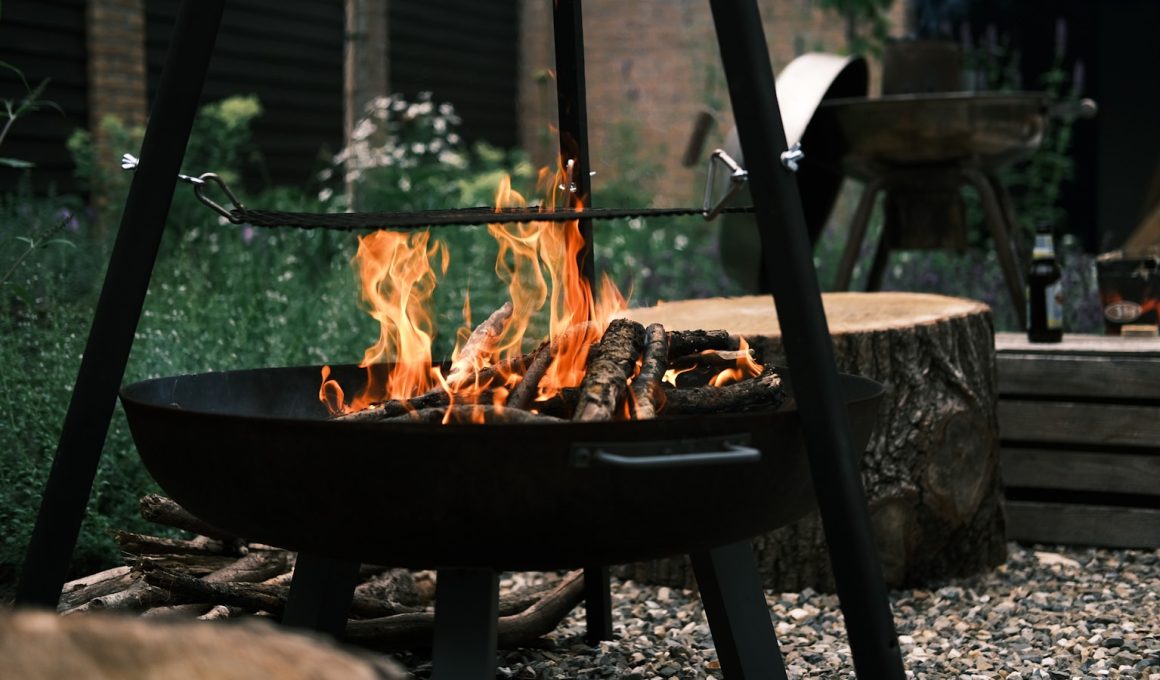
<point>1079,429</point>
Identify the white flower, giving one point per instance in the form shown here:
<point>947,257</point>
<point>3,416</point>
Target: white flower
<point>325,194</point>
<point>364,129</point>
<point>446,109</point>
<point>405,183</point>
<point>455,160</point>
<point>418,148</point>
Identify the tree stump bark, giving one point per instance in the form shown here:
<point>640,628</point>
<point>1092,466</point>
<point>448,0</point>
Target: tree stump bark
<point>931,467</point>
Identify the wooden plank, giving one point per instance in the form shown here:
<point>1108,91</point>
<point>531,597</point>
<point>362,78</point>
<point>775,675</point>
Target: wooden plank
<point>1078,423</point>
<point>1136,473</point>
<point>1078,344</point>
<point>1120,376</point>
<point>1095,525</point>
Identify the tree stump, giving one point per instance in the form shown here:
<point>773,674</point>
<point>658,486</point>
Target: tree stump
<point>931,467</point>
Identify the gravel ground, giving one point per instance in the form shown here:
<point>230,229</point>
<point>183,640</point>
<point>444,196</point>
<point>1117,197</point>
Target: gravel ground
<point>1049,613</point>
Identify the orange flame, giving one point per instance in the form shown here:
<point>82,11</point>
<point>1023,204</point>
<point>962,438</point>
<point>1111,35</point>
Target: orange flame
<point>745,367</point>
<point>397,281</point>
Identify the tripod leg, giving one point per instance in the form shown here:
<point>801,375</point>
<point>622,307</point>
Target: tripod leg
<point>62,506</point>
<point>786,250</point>
<point>739,618</point>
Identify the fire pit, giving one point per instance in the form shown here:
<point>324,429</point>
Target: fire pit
<point>252,452</point>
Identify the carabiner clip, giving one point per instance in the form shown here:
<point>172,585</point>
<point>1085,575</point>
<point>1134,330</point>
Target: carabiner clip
<point>199,191</point>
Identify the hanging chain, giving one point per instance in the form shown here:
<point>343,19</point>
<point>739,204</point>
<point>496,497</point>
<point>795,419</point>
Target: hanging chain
<point>237,213</point>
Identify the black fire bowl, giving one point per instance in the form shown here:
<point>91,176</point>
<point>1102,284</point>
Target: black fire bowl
<point>255,454</point>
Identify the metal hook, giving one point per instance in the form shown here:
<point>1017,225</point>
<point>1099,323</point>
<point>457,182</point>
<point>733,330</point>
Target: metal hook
<point>738,176</point>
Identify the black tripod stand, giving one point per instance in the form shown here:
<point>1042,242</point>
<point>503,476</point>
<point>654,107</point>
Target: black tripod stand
<point>728,576</point>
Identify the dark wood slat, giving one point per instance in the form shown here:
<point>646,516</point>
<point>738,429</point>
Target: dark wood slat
<point>63,16</point>
<point>1081,470</point>
<point>1096,525</point>
<point>1078,423</point>
<point>1122,376</point>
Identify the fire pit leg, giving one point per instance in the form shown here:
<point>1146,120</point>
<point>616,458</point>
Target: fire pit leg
<point>320,594</point>
<point>738,615</point>
<point>597,605</point>
<point>466,616</point>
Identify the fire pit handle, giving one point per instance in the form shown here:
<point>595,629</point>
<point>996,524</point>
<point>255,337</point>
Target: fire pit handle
<point>624,456</point>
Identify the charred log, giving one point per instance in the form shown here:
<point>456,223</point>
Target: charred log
<point>762,392</point>
<point>647,394</point>
<point>682,343</point>
<point>610,363</point>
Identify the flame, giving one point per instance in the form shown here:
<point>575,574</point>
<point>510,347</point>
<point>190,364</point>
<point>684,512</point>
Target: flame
<point>397,281</point>
<point>540,263</point>
<point>744,367</point>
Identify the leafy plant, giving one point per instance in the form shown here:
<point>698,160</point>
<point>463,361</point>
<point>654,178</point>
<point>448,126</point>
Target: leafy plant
<point>867,24</point>
<point>14,109</point>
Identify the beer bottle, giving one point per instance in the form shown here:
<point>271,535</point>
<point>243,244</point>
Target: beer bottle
<point>1044,290</point>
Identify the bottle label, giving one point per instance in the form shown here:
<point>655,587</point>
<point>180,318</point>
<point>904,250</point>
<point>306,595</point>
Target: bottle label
<point>1044,248</point>
<point>1054,295</point>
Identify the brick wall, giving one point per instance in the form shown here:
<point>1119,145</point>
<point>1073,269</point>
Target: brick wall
<point>116,69</point>
<point>653,66</point>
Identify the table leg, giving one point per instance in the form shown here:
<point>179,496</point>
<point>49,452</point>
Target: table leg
<point>1000,233</point>
<point>857,235</point>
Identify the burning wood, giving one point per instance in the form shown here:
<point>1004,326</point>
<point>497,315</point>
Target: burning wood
<point>610,365</point>
<point>647,396</point>
<point>478,347</point>
<point>711,379</point>
<point>587,347</point>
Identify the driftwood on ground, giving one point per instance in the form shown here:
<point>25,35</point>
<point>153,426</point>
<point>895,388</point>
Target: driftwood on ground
<point>390,609</point>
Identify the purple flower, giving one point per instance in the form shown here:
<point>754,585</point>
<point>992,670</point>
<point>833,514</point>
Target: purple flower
<point>69,219</point>
<point>248,233</point>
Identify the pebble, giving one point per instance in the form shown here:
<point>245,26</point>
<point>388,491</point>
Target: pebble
<point>1049,613</point>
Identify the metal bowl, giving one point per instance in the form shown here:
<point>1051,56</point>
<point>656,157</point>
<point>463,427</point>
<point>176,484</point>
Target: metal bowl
<point>990,129</point>
<point>254,453</point>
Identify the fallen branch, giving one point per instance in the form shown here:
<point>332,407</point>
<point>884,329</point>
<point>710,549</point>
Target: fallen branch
<point>80,591</point>
<point>414,631</point>
<point>188,590</point>
<point>143,544</point>
<point>166,512</point>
